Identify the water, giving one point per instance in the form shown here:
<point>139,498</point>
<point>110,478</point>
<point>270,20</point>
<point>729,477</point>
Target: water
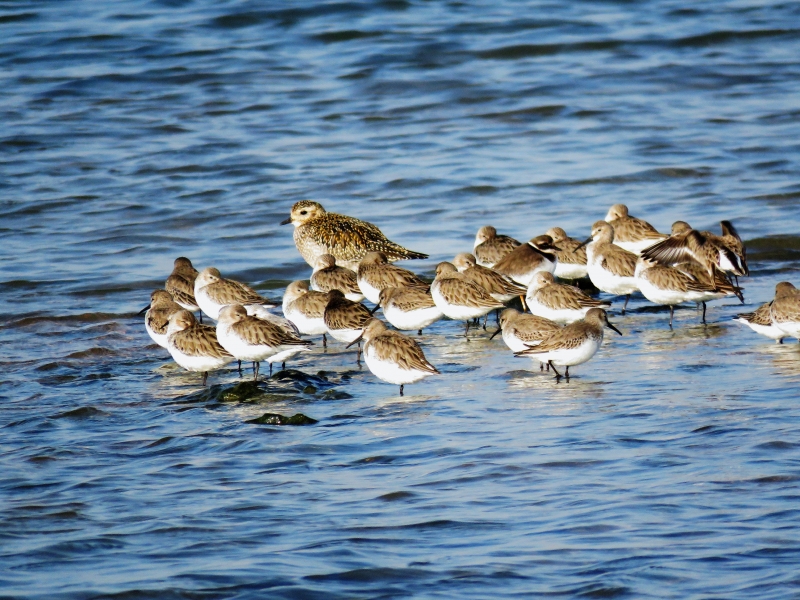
<point>135,132</point>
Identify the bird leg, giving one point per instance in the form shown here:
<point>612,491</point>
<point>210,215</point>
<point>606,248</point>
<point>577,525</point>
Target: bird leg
<point>401,390</point>
<point>205,377</point>
<point>671,312</point>
<point>566,373</point>
<point>704,313</point>
<point>201,317</point>
<point>240,368</point>
<point>270,369</point>
<point>466,330</point>
<point>497,316</point>
<point>419,332</point>
<point>324,341</point>
<point>358,355</point>
<point>550,364</point>
<point>524,306</point>
<point>624,306</point>
<point>283,366</point>
<point>485,318</point>
<point>256,369</point>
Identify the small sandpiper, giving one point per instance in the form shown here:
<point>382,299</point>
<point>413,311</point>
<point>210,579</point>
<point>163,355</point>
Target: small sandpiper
<point>722,287</point>
<point>345,319</point>
<point>711,251</point>
<point>329,276</point>
<point>630,233</point>
<point>559,302</point>
<point>522,331</point>
<point>668,286</point>
<point>785,309</point>
<point>489,247</point>
<point>305,308</point>
<point>571,257</point>
<point>760,321</point>
<point>157,314</point>
<point>195,346</point>
<point>393,357</point>
<point>574,344</point>
<point>459,298</point>
<point>501,288</point>
<point>524,261</point>
<point>375,274</point>
<point>252,339</point>
<point>180,284</point>
<point>213,292</point>
<point>410,309</point>
<point>612,269</point>
<point>347,238</point>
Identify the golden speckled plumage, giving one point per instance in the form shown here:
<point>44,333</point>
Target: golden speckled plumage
<point>346,238</point>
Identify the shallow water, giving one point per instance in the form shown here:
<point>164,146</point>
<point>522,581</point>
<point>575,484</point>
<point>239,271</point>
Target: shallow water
<point>133,133</point>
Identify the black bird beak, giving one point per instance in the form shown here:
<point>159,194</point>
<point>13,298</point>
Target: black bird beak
<point>144,310</point>
<point>610,326</point>
<point>582,244</point>
<point>374,310</point>
<point>499,329</point>
<point>355,341</point>
<point>286,221</point>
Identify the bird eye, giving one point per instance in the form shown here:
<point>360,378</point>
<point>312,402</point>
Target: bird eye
<point>302,212</point>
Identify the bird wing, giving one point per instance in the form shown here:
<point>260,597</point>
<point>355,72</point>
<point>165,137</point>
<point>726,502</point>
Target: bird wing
<point>413,299</point>
<point>336,278</point>
<point>312,304</point>
<point>199,340</point>
<point>620,262</point>
<point>347,237</point>
<point>227,291</point>
<point>402,350</point>
<point>571,336</point>
<point>566,296</point>
<point>347,316</point>
<point>462,292</point>
<point>265,333</point>
<point>572,252</point>
<point>181,290</point>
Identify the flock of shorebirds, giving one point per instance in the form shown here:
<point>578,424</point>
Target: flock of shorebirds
<point>352,260</point>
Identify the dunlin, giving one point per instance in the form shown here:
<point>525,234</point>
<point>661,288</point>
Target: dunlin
<point>392,356</point>
<point>375,274</point>
<point>574,344</point>
<point>194,346</point>
<point>711,251</point>
<point>500,287</point>
<point>522,331</point>
<point>489,247</point>
<point>252,339</point>
<point>611,268</point>
<point>157,314</point>
<point>213,292</point>
<point>668,286</point>
<point>630,233</point>
<point>329,276</point>
<point>571,256</point>
<point>722,287</point>
<point>346,238</point>
<point>410,309</point>
<point>524,261</point>
<point>459,298</point>
<point>345,319</point>
<point>180,284</point>
<point>558,302</point>
<point>760,321</point>
<point>305,308</point>
<point>785,309</point>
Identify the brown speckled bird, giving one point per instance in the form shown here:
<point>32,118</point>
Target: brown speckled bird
<point>348,239</point>
<point>489,247</point>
